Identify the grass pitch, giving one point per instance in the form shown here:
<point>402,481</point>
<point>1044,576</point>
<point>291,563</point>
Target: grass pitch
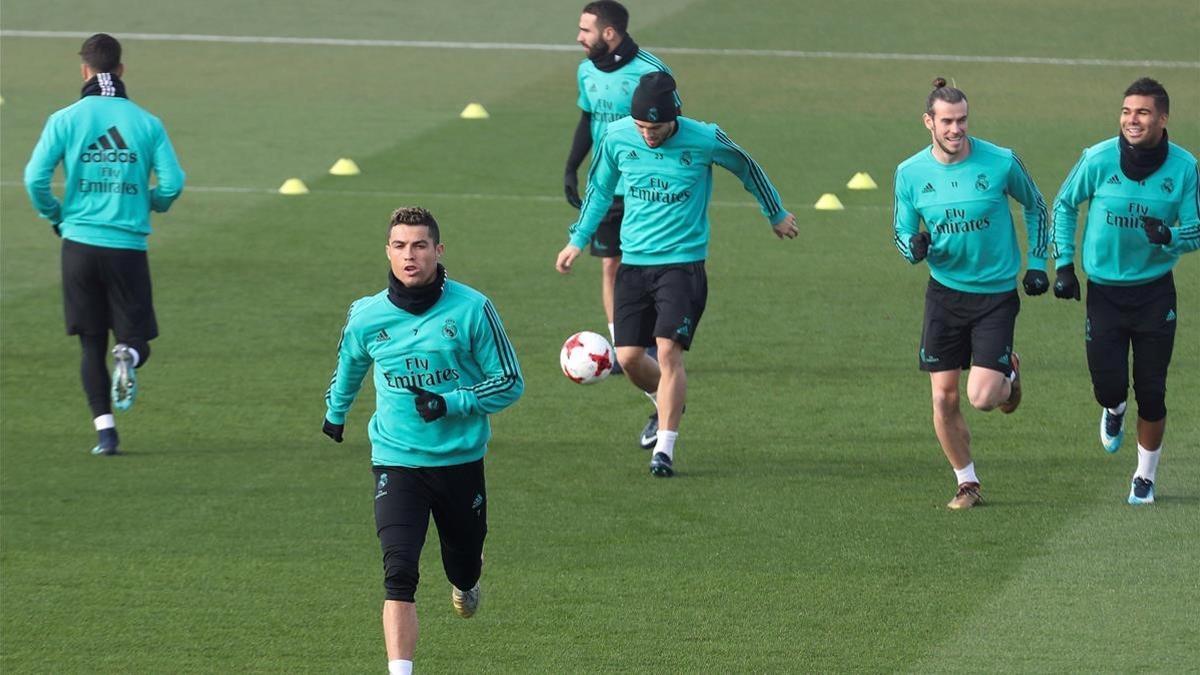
<point>805,531</point>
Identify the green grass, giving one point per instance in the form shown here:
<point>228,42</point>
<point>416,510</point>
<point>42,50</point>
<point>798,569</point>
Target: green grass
<point>805,531</point>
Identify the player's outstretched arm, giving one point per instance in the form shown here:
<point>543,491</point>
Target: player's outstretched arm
<point>786,228</point>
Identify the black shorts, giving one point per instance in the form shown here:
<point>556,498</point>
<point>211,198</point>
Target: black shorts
<point>1120,317</point>
<point>653,301</point>
<point>964,329</point>
<point>606,242</point>
<point>456,496</point>
<point>107,288</point>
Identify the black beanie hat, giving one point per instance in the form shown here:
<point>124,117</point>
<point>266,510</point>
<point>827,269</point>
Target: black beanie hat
<point>654,99</point>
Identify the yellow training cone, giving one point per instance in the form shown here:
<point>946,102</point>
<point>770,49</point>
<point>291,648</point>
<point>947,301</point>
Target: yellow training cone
<point>862,181</point>
<point>293,186</point>
<point>829,202</point>
<point>474,111</point>
<point>344,167</point>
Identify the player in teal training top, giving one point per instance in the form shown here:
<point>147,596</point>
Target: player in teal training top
<point>108,146</point>
<point>959,187</point>
<point>661,289</point>
<point>1143,215</point>
<point>606,80</point>
<point>442,364</point>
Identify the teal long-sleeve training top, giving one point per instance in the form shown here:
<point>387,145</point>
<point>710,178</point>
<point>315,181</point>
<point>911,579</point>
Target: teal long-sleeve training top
<point>457,348</point>
<point>973,240</point>
<point>108,146</point>
<point>667,190</point>
<point>1116,251</point>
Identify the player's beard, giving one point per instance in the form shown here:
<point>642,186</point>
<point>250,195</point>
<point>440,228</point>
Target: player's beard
<point>597,51</point>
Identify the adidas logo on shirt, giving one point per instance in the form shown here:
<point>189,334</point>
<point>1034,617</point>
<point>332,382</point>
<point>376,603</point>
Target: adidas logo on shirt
<point>927,189</point>
<point>109,147</point>
<point>383,336</point>
<point>1113,180</point>
<point>632,155</point>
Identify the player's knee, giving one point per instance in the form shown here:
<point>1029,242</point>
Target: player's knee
<point>400,576</point>
<point>142,347</point>
<point>465,573</point>
<point>1110,394</point>
<point>630,357</point>
<point>983,399</point>
<point>945,399</point>
<point>1152,402</point>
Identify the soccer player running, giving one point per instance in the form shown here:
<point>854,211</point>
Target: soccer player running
<point>661,288</point>
<point>606,80</point>
<point>1139,185</point>
<point>442,364</point>
<point>959,186</point>
<point>108,146</point>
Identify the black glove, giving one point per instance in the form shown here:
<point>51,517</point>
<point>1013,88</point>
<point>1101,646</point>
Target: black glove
<point>1156,231</point>
<point>430,406</point>
<point>1036,282</point>
<point>1066,284</point>
<point>571,189</point>
<point>918,245</point>
<point>333,431</point>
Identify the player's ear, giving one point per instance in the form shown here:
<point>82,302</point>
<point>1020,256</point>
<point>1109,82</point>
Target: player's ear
<point>928,121</point>
<point>119,71</point>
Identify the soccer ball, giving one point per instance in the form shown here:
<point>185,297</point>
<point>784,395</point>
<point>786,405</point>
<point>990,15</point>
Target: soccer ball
<point>586,358</point>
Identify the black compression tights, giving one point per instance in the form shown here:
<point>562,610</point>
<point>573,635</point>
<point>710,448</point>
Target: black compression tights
<point>94,371</point>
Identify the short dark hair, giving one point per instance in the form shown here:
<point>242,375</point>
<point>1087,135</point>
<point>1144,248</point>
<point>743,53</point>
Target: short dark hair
<point>101,52</point>
<point>609,13</point>
<point>1146,86</point>
<point>415,215</point>
<point>941,92</point>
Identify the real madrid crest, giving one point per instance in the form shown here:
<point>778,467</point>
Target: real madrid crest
<point>449,329</point>
<point>981,182</point>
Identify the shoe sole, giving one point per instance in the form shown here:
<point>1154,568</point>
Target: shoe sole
<point>105,452</point>
<point>124,387</point>
<point>662,471</point>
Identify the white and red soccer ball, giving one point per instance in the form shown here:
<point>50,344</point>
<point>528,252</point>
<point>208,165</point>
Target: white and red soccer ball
<point>586,358</point>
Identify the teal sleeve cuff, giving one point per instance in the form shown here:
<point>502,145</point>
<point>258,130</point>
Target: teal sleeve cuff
<point>456,403</point>
<point>778,217</point>
<point>335,417</point>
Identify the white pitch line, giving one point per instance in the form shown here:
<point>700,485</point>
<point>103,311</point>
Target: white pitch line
<point>539,47</point>
<point>474,196</point>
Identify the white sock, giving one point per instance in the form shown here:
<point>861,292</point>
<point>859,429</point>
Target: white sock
<point>966,474</point>
<point>137,358</point>
<point>1118,410</point>
<point>666,443</point>
<point>611,334</point>
<point>653,396</point>
<point>104,422</point>
<point>399,667</point>
<point>1147,463</point>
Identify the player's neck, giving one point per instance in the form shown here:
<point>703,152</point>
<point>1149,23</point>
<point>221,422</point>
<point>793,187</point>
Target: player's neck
<point>944,157</point>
